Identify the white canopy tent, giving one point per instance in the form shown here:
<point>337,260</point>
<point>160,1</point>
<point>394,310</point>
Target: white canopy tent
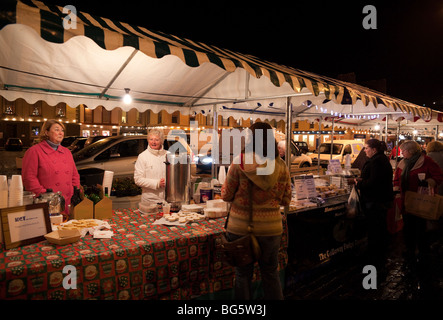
<point>96,60</point>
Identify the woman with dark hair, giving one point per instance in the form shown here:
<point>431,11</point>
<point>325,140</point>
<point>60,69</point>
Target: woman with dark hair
<point>261,171</point>
<point>376,197</point>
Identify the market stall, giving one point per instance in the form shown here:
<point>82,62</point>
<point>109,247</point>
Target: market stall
<point>142,260</point>
<point>95,64</point>
<point>320,227</point>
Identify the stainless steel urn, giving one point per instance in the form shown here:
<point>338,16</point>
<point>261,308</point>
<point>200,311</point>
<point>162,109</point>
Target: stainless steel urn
<point>178,179</point>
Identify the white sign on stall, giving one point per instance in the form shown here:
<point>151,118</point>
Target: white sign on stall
<point>305,187</point>
<point>335,166</point>
<point>24,224</point>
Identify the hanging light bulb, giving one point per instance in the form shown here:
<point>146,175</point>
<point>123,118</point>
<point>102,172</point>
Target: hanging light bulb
<point>127,99</point>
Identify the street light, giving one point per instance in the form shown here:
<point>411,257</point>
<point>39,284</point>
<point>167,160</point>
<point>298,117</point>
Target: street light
<point>377,128</point>
<point>127,99</point>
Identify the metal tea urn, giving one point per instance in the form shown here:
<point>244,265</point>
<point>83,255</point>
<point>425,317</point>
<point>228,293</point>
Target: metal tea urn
<point>178,180</point>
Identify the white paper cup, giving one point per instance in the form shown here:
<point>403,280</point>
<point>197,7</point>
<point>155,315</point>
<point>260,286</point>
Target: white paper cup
<point>15,202</point>
<point>16,182</point>
<point>3,183</point>
<point>196,197</point>
<point>3,199</point>
<point>107,180</point>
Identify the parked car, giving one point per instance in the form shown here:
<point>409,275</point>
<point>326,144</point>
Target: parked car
<point>77,145</point>
<point>67,141</point>
<point>14,144</point>
<point>93,139</point>
<point>116,153</point>
<point>298,159</point>
<point>303,146</point>
<point>339,150</point>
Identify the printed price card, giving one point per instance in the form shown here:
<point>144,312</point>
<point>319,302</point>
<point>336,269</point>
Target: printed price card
<point>305,187</point>
<point>335,166</point>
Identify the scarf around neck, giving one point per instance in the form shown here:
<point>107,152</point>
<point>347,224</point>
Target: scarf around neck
<point>157,153</point>
<point>409,164</point>
<point>53,145</point>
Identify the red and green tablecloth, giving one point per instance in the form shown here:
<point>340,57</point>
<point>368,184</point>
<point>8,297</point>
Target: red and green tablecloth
<point>141,261</point>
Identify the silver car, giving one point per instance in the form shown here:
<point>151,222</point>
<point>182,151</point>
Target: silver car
<point>116,153</point>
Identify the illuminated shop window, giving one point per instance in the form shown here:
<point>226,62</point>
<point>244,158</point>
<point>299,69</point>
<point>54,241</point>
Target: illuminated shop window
<point>60,110</point>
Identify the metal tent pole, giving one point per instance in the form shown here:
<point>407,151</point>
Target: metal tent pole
<point>396,149</point>
<point>318,146</point>
<point>215,152</point>
<point>288,142</point>
<point>118,73</point>
<point>332,139</point>
<point>288,133</point>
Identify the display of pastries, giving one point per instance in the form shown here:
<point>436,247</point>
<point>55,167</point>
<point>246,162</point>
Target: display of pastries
<point>183,217</point>
<point>324,191</point>
<point>329,191</point>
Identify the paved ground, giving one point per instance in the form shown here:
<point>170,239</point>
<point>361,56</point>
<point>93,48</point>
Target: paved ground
<point>342,279</point>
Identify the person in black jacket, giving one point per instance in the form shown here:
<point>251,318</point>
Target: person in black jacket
<point>376,197</point>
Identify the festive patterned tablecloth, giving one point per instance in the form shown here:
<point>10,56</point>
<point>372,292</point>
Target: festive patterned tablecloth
<point>141,261</point>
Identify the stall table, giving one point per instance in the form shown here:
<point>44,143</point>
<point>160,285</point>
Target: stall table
<point>320,234</point>
<point>141,261</point>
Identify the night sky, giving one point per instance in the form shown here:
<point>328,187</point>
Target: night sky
<point>324,37</point>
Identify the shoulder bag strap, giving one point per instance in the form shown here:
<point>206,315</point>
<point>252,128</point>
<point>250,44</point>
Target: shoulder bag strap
<point>250,207</point>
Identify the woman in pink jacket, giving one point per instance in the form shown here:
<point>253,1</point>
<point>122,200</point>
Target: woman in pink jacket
<point>49,165</point>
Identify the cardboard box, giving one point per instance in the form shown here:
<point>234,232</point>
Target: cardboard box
<point>63,237</point>
<point>84,210</point>
<point>103,209</point>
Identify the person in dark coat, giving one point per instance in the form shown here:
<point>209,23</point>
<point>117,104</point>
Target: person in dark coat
<point>360,161</point>
<point>434,150</point>
<point>376,197</point>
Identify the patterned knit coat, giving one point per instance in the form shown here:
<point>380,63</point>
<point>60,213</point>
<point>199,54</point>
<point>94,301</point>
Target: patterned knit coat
<point>269,192</point>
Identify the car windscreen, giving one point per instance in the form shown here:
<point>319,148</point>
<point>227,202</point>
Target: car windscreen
<point>78,141</point>
<point>178,146</point>
<point>93,149</point>
<point>325,148</point>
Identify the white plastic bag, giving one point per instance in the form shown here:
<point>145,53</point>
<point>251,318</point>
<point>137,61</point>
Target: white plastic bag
<point>354,207</point>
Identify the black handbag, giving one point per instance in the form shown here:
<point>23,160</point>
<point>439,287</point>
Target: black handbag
<point>244,250</point>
